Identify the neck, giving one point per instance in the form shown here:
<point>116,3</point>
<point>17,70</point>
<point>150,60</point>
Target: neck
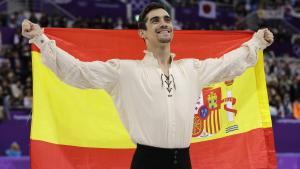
<point>161,53</point>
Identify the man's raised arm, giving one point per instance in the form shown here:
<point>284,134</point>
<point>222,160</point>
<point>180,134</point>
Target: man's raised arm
<point>72,71</point>
<point>233,63</point>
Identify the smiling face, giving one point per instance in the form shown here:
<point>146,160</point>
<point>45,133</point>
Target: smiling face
<point>159,28</point>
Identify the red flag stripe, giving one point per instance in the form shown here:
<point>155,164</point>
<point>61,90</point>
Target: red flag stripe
<point>90,45</point>
<point>49,156</point>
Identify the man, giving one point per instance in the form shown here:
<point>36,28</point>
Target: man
<point>154,96</point>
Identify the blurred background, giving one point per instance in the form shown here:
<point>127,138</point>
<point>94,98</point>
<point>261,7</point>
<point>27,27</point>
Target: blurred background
<point>282,59</point>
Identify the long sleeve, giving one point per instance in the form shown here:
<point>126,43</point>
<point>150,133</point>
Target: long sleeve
<point>74,72</point>
<point>231,64</point>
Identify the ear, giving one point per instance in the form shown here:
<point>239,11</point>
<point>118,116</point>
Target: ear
<point>142,33</point>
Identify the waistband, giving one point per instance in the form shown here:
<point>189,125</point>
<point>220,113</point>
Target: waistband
<point>149,157</point>
<point>162,150</point>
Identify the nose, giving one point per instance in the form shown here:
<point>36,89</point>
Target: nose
<point>163,26</point>
<point>165,23</point>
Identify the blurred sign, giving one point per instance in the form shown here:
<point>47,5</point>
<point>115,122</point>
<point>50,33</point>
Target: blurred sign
<point>287,137</point>
<point>7,35</point>
<point>0,42</point>
<point>3,5</point>
<point>207,9</point>
<point>190,15</point>
<point>84,8</point>
<point>271,14</point>
<point>62,1</point>
<point>137,6</point>
<point>296,50</point>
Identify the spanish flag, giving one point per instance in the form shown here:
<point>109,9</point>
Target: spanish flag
<point>80,129</point>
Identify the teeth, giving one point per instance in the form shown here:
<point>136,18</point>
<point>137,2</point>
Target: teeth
<point>164,31</point>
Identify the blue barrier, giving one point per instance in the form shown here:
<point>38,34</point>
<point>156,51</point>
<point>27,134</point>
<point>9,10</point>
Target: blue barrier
<point>15,162</point>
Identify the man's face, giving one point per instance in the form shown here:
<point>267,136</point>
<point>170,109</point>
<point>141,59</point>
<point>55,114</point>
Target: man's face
<point>159,27</point>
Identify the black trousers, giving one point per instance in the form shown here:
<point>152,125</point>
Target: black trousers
<point>148,157</point>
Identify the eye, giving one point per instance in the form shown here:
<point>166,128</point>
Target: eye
<point>167,19</point>
<point>154,20</point>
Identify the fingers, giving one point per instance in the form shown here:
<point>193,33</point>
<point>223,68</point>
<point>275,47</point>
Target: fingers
<point>26,28</point>
<point>26,25</point>
<point>269,36</point>
<point>266,34</point>
<point>30,30</point>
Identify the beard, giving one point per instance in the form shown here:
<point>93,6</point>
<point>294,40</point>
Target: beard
<point>165,40</point>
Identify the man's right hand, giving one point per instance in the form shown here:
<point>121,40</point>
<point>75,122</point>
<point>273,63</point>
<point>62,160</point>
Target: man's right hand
<point>31,30</point>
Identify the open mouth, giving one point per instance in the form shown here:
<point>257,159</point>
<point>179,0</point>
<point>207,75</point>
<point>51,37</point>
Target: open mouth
<point>163,31</point>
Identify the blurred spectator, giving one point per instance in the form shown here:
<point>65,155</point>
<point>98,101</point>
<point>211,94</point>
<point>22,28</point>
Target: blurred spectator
<point>282,83</point>
<point>282,71</point>
<point>44,21</point>
<point>1,104</point>
<point>33,17</point>
<point>296,109</point>
<point>14,150</point>
<point>27,101</point>
<point>119,24</point>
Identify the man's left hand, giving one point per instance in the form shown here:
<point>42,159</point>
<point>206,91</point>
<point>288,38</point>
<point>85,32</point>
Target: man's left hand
<point>268,35</point>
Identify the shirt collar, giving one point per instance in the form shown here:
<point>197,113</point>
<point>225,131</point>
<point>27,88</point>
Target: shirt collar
<point>149,58</point>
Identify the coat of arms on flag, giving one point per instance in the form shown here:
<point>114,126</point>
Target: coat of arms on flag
<point>213,111</point>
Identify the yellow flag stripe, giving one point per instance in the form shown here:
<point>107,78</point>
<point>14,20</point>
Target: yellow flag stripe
<point>66,115</point>
<point>262,92</point>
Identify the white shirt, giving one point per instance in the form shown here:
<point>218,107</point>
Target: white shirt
<point>156,109</point>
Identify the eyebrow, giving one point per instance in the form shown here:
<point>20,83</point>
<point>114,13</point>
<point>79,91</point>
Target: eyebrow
<point>167,16</point>
<point>157,17</point>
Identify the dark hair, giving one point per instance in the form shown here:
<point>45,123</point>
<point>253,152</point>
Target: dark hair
<point>142,17</point>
